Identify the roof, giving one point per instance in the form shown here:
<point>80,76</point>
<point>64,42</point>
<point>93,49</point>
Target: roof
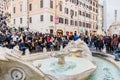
<point>115,24</point>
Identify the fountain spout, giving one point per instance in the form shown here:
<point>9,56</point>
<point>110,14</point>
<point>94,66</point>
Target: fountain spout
<point>61,58</point>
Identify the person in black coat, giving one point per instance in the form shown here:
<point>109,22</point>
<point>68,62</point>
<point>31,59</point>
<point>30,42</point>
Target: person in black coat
<point>100,43</point>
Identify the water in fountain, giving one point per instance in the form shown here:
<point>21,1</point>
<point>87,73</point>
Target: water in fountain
<point>56,68</point>
<point>105,71</point>
<point>72,68</point>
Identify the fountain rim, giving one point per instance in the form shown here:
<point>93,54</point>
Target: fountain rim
<point>109,58</point>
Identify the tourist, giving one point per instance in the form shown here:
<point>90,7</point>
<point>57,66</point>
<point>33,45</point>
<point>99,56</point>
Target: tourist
<point>107,43</point>
<point>115,42</point>
<point>76,37</point>
<point>22,47</point>
<point>100,43</point>
<point>117,53</point>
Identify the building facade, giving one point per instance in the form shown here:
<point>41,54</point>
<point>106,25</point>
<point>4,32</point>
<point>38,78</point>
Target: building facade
<point>1,6</point>
<point>100,20</point>
<point>55,16</point>
<point>114,28</point>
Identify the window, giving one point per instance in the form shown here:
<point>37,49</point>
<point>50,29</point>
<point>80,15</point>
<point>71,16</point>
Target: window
<point>41,18</point>
<point>87,6</point>
<point>71,22</point>
<point>71,12</point>
<point>90,2</point>
<point>87,25</point>
<point>30,7</point>
<point>89,15</point>
<point>66,21</point>
<point>14,21</point>
<point>83,13</point>
<point>76,23</point>
<point>83,24</point>
<point>94,9</point>
<point>14,10</point>
<point>80,24</point>
<point>75,13</point>
<point>66,10</point>
<point>51,18</point>
<point>20,20</point>
<point>41,3</point>
<point>61,20</point>
<point>90,7</point>
<point>93,3</point>
<point>60,7</point>
<point>51,3</point>
<point>80,12</point>
<point>96,5</point>
<point>30,19</point>
<point>20,7</point>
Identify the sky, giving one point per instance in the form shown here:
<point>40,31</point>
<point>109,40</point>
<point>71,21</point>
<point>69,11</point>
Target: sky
<point>111,6</point>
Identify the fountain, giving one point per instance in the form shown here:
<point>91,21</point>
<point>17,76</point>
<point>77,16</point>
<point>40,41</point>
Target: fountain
<point>74,62</point>
<point>66,68</point>
<point>60,65</point>
<point>63,66</point>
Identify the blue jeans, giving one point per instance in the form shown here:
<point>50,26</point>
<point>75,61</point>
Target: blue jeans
<point>117,55</point>
<point>90,44</point>
<point>115,47</point>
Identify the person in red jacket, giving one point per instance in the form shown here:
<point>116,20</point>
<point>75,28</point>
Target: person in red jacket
<point>115,42</point>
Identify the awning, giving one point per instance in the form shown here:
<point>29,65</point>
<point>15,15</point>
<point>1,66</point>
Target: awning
<point>67,33</point>
<point>71,33</point>
<point>59,31</point>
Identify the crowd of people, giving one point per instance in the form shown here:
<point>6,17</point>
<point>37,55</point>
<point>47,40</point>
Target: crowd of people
<point>36,41</point>
<point>111,43</point>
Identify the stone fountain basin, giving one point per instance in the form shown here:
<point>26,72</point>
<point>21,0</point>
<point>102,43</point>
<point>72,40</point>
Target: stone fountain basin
<point>83,68</point>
